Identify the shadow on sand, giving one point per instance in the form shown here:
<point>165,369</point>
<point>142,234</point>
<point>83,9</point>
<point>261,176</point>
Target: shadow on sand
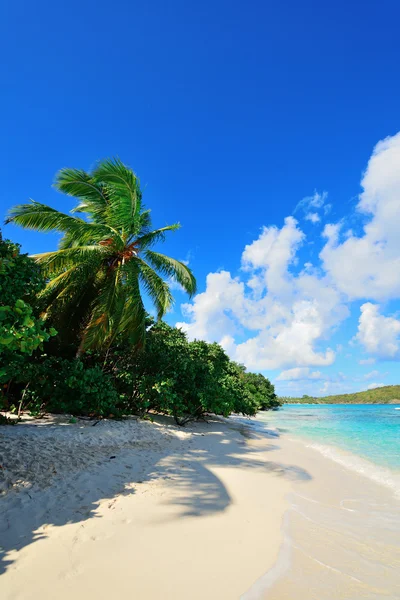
<point>188,463</point>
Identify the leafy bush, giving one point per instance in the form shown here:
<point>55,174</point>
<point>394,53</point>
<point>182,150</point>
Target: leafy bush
<point>21,331</point>
<point>20,276</point>
<point>184,379</point>
<point>262,391</point>
<point>168,374</point>
<point>67,386</point>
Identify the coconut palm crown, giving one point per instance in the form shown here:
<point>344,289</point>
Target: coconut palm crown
<point>105,260</point>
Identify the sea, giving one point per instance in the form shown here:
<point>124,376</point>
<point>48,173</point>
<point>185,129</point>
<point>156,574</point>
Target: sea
<point>363,437</point>
<point>341,531</point>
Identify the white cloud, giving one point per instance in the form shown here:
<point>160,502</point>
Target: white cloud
<point>299,374</point>
<point>283,315</point>
<point>372,375</point>
<point>313,217</point>
<point>279,315</point>
<point>373,386</point>
<point>288,342</point>
<point>315,201</point>
<point>379,335</point>
<point>367,361</point>
<point>326,388</point>
<point>174,285</point>
<point>364,266</point>
<point>273,252</point>
<point>310,205</point>
<point>211,312</point>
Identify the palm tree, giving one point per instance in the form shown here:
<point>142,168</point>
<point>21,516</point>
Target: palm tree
<point>105,261</point>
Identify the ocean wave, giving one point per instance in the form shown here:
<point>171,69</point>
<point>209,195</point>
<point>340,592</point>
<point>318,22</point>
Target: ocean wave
<point>382,475</point>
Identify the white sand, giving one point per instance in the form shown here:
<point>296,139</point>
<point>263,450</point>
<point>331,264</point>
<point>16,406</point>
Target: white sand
<point>150,511</point>
<point>177,513</point>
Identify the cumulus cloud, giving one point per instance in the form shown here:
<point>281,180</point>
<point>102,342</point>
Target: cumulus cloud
<point>277,314</point>
<point>364,266</point>
<point>313,217</point>
<point>300,374</point>
<point>367,361</point>
<point>282,314</point>
<point>212,313</point>
<point>378,334</point>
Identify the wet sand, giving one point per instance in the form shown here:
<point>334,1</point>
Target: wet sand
<point>341,535</point>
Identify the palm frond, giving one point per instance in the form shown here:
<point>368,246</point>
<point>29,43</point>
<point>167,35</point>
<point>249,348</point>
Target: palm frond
<point>96,277</point>
<point>144,222</point>
<point>132,323</point>
<point>79,184</point>
<point>125,196</point>
<point>54,262</point>
<point>41,217</point>
<point>64,289</point>
<point>68,241</point>
<point>156,288</point>
<point>67,298</point>
<point>105,312</point>
<point>56,284</point>
<point>175,269</point>
<point>152,237</point>
<point>68,306</point>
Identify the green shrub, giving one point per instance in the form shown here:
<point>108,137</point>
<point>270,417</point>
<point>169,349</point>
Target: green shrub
<point>168,374</point>
<point>262,391</point>
<point>184,379</point>
<point>20,276</point>
<point>21,331</point>
<point>67,386</point>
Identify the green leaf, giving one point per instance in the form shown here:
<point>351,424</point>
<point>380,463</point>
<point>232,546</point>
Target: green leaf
<point>173,268</point>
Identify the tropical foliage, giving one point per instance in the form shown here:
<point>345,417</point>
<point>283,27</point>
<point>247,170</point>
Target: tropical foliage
<point>185,379</point>
<point>95,280</point>
<point>58,385</point>
<point>107,357</point>
<point>168,375</point>
<point>21,331</point>
<point>262,390</point>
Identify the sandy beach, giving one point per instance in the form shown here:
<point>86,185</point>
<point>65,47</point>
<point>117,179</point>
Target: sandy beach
<point>139,508</point>
<point>214,510</point>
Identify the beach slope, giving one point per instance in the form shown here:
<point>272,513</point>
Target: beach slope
<point>138,509</point>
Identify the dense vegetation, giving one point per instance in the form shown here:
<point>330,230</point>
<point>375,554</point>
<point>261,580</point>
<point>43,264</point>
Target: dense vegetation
<point>94,278</point>
<point>382,395</point>
<point>21,330</point>
<point>74,334</point>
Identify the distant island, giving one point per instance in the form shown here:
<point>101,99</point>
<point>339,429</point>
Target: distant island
<point>388,394</point>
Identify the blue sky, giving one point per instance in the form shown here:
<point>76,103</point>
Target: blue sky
<point>232,113</point>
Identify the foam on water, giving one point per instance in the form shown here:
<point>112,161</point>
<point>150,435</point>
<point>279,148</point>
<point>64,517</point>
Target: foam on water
<point>378,474</point>
<point>342,528</point>
<point>369,432</point>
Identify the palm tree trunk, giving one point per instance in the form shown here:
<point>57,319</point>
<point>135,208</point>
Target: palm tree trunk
<point>80,350</point>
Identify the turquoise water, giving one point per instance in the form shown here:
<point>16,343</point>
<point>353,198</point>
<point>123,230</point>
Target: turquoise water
<point>341,531</point>
<point>371,431</point>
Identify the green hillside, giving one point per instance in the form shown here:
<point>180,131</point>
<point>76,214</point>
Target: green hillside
<point>389,394</point>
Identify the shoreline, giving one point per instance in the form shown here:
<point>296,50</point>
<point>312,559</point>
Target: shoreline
<point>226,509</point>
<point>341,531</point>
